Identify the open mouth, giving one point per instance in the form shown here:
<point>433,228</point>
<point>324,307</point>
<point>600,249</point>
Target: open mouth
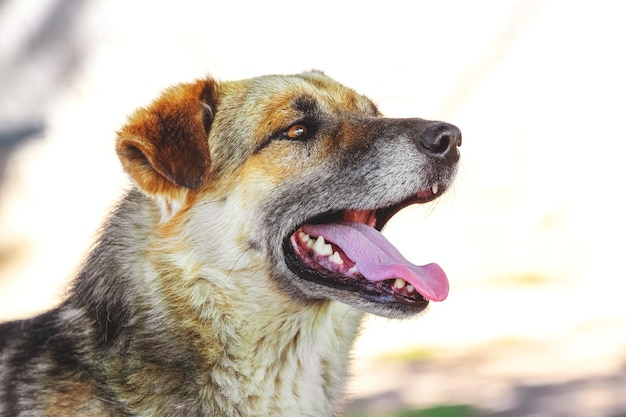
<point>345,250</point>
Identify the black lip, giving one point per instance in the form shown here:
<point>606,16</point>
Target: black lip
<point>377,292</point>
<point>384,214</point>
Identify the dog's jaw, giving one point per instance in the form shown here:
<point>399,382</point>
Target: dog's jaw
<point>385,280</point>
<point>295,267</point>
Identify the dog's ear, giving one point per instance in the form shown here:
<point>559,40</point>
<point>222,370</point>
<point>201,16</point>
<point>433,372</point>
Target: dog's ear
<point>164,147</point>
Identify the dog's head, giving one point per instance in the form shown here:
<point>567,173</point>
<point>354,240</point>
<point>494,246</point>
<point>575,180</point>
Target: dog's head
<point>294,177</point>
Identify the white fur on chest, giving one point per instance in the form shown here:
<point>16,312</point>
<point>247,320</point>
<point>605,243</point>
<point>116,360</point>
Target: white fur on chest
<point>298,367</point>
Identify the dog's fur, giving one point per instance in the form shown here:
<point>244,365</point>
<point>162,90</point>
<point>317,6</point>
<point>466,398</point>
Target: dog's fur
<point>187,304</point>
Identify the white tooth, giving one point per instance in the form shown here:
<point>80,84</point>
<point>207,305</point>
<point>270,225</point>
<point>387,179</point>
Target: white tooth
<point>322,248</point>
<point>304,237</point>
<point>309,243</point>
<point>410,288</point>
<point>399,283</point>
<point>353,270</point>
<point>336,258</point>
<point>435,188</point>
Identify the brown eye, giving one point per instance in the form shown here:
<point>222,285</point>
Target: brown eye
<point>298,131</point>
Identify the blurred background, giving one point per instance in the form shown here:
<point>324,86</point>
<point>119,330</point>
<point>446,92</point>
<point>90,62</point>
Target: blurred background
<point>531,236</point>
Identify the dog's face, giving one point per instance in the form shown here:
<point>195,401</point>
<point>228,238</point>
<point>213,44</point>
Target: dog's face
<point>294,176</point>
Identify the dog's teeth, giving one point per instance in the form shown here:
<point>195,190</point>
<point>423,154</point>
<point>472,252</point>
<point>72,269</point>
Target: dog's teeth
<point>322,248</point>
<point>304,237</point>
<point>399,283</point>
<point>336,258</point>
<point>353,270</point>
<point>410,288</point>
<point>435,188</point>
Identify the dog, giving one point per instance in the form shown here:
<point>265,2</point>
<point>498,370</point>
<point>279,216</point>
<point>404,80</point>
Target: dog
<point>232,278</point>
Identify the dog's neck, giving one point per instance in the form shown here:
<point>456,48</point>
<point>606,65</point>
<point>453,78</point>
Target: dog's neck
<point>269,355</point>
<point>223,344</point>
<point>288,365</point>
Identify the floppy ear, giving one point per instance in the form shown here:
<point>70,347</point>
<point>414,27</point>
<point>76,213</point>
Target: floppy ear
<point>164,147</point>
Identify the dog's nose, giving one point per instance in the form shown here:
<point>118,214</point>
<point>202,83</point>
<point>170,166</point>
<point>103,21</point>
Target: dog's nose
<point>442,140</point>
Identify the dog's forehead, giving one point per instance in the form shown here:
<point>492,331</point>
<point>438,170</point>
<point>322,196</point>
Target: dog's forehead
<point>299,92</point>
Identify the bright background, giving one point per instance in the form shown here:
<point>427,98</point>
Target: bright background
<point>531,236</point>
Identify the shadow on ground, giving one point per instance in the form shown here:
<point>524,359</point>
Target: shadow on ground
<point>479,385</point>
<point>602,396</point>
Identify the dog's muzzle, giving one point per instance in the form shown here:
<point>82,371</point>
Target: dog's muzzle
<point>341,246</point>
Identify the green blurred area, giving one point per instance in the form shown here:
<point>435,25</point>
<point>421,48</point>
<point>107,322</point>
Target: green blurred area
<point>437,411</point>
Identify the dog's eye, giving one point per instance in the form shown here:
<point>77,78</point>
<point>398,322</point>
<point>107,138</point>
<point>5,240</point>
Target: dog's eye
<point>297,131</point>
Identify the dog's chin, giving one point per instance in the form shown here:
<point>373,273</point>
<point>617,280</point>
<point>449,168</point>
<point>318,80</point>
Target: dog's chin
<point>324,266</point>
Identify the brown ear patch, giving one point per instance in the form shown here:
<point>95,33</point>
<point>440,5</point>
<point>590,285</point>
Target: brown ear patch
<point>164,146</point>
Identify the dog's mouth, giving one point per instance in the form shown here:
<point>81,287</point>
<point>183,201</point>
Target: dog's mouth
<point>345,250</point>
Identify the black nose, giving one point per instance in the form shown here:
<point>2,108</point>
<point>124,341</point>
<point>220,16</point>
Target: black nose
<point>442,140</point>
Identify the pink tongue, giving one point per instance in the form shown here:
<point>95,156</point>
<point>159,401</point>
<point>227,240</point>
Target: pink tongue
<point>378,260</point>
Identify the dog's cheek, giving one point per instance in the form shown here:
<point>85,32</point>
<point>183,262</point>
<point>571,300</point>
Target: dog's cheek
<point>280,162</point>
